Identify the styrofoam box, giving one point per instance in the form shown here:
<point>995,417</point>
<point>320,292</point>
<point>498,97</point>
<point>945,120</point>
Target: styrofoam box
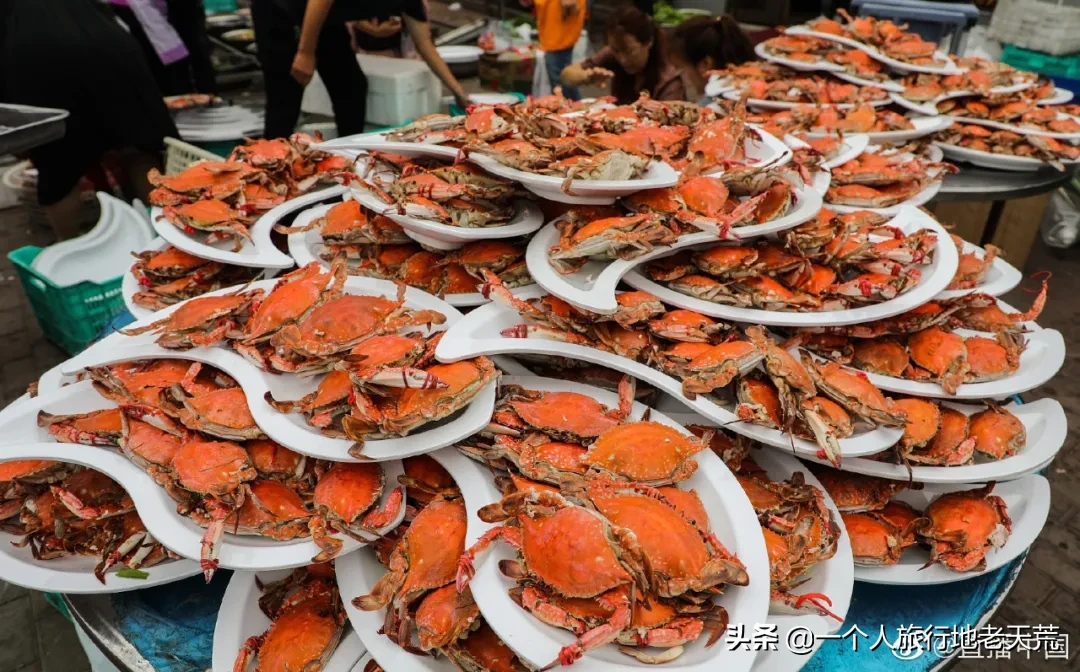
<point>399,90</point>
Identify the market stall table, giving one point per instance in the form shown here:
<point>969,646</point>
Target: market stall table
<point>999,207</point>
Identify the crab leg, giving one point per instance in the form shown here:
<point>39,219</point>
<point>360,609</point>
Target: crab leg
<point>617,600</point>
<point>824,435</point>
<point>466,570</point>
<point>784,602</point>
<point>380,518</point>
<point>211,540</point>
<point>399,376</point>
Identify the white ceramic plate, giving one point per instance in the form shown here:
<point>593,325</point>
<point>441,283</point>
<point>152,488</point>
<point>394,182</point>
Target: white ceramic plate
<point>852,145</point>
<point>923,126</point>
<point>595,192</point>
<point>935,276</point>
<point>1044,423</point>
<point>1019,164</point>
<point>75,574</point>
<point>946,67</point>
<point>292,430</point>
<point>718,85</point>
<point>527,218</point>
<point>180,534</point>
<point>261,253</point>
<point>1022,130</point>
<point>1039,363</point>
<point>821,65</point>
<point>479,332</point>
<point>887,85</point>
<point>378,142</point>
<point>1001,277</point>
<point>761,104</point>
<point>593,287</point>
<point>357,573</point>
<point>733,521</point>
<point>240,618</point>
<point>1027,502</point>
<point>1060,97</point>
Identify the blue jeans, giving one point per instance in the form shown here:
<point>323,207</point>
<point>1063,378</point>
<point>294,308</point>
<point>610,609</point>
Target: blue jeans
<point>555,62</point>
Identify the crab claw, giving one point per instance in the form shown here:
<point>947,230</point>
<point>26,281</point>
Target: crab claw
<point>210,547</point>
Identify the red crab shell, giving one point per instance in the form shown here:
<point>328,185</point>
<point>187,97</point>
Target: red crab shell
<point>644,452</point>
<point>212,467</point>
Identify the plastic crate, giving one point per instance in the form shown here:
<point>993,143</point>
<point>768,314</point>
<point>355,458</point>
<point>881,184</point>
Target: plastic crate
<point>71,317</point>
<point>180,155</point>
<point>1051,26</point>
<point>1042,63</point>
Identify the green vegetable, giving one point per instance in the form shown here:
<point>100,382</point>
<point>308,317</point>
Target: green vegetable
<point>128,573</point>
<point>523,19</point>
<point>666,15</point>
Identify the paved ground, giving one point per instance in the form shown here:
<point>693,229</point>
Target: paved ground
<point>35,637</point>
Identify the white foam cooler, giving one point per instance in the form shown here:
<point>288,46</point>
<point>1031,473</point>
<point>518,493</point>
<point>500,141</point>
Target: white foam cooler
<point>399,90</point>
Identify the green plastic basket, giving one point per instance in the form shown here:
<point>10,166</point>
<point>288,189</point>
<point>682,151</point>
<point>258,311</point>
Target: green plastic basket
<point>1042,63</point>
<point>71,317</point>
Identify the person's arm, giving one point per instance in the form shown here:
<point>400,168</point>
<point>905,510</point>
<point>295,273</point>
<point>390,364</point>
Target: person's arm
<point>425,46</point>
<point>594,69</point>
<point>303,65</point>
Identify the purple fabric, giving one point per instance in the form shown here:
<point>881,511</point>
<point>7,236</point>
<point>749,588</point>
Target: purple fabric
<point>153,16</point>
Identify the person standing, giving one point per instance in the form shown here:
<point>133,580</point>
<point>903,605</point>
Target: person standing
<point>172,34</point>
<point>325,44</point>
<point>73,55</point>
<point>288,64</point>
<point>559,23</point>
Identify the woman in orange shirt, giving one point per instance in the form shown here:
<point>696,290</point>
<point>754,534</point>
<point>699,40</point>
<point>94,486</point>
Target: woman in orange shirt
<point>559,23</point>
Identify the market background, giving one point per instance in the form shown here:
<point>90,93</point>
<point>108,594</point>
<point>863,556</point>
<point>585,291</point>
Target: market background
<point>36,637</point>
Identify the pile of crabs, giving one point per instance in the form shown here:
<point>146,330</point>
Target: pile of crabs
<point>645,219</point>
<point>884,175</point>
<point>610,543</point>
<point>60,509</point>
<point>374,246</point>
<point>829,263</point>
<point>923,345</point>
<point>802,395</point>
<point>997,141</point>
<point>419,592</point>
<point>380,383</point>
<point>222,198</point>
<point>881,34</point>
<point>188,426</point>
<point>958,528</point>
<point>170,275</point>
<point>551,136</point>
<point>456,194</point>
<point>776,83</point>
<point>981,76</point>
<point>817,119</point>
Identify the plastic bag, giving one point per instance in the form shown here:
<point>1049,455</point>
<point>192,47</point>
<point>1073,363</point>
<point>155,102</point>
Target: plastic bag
<point>541,83</point>
<point>1061,222</point>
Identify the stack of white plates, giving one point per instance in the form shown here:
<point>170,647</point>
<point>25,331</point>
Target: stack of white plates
<point>210,124</point>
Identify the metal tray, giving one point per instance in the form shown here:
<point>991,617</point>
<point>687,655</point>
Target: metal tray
<point>23,127</point>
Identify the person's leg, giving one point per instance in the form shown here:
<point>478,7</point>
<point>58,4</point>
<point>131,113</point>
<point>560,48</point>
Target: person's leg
<point>555,62</point>
<point>130,167</point>
<point>275,38</point>
<point>135,29</point>
<point>344,80</point>
<point>189,19</point>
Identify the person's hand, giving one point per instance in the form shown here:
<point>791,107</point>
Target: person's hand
<point>569,8</point>
<point>462,100</point>
<point>303,67</point>
<point>376,28</point>
<point>599,76</point>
